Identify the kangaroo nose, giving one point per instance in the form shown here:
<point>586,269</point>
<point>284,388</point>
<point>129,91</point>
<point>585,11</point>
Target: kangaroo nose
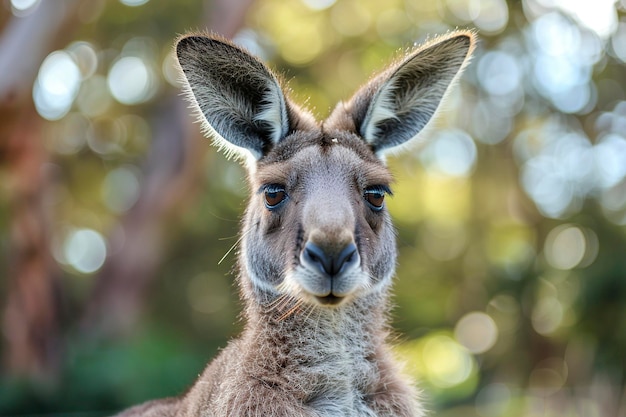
<point>331,264</point>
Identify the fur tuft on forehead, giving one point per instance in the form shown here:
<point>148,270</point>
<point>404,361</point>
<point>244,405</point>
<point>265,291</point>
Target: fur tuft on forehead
<point>283,165</point>
<point>300,140</point>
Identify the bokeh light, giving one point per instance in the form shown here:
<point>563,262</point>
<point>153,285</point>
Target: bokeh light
<point>549,376</point>
<point>450,152</point>
<point>85,250</point>
<point>57,85</point>
<point>350,18</point>
<point>446,362</point>
<point>134,3</point>
<point>563,62</point>
<point>121,188</point>
<point>490,16</point>
<point>68,136</point>
<point>440,361</point>
<point>567,246</point>
<point>170,70</point>
<point>562,169</point>
<point>598,16</point>
<point>319,4</point>
<point>130,80</point>
<point>618,42</point>
<point>23,7</point>
<point>94,98</point>
<point>85,56</point>
<point>477,332</point>
<point>610,154</point>
<point>500,72</point>
<point>105,136</point>
<point>547,315</point>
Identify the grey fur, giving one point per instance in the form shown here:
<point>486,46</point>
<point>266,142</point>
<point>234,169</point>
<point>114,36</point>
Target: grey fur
<point>313,344</point>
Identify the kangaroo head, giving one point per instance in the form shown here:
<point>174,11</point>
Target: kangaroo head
<point>316,228</point>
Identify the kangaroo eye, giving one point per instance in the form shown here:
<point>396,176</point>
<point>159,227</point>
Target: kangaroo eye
<point>375,200</point>
<point>375,197</point>
<point>274,195</point>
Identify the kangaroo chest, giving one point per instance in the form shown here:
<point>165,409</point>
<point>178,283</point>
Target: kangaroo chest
<point>334,370</point>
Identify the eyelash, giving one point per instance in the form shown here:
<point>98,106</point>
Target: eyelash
<point>274,196</point>
<point>375,196</point>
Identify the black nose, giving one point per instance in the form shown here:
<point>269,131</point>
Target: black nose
<point>330,264</point>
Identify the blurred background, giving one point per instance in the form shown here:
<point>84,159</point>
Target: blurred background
<point>117,217</point>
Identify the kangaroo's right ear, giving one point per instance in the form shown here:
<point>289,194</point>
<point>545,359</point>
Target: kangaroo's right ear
<point>395,106</point>
<point>241,102</point>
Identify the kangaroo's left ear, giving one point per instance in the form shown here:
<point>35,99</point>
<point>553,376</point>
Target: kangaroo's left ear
<point>240,101</point>
<point>396,105</point>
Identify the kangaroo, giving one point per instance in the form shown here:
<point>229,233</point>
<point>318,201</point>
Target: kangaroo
<point>317,252</point>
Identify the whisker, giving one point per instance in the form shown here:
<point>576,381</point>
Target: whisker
<point>368,285</point>
<point>291,311</point>
<point>317,322</point>
<point>281,302</point>
<point>234,245</point>
<point>278,300</point>
<point>228,237</point>
<point>309,313</point>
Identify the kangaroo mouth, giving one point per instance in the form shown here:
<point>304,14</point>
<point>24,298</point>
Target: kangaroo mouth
<point>329,300</point>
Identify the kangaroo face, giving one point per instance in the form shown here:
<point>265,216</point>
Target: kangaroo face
<point>317,227</point>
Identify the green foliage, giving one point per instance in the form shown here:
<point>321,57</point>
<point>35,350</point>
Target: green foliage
<point>101,378</point>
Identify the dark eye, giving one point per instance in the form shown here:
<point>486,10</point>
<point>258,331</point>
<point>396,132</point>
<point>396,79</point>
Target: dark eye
<point>274,195</point>
<point>375,196</point>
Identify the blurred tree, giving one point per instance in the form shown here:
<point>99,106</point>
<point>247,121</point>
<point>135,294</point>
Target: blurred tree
<point>31,319</point>
<point>33,310</point>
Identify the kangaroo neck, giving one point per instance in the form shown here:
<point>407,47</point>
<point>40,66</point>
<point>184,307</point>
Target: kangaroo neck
<point>327,358</point>
<point>361,324</point>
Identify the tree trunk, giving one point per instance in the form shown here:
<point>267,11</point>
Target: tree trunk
<point>31,320</point>
<point>31,317</point>
<point>171,175</point>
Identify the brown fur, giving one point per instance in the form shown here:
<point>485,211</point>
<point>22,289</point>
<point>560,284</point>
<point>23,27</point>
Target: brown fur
<point>315,268</point>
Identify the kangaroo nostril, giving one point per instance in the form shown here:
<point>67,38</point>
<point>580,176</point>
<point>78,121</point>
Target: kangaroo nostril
<point>347,258</point>
<point>330,263</point>
<point>315,256</point>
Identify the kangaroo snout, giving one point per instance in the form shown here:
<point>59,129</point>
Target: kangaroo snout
<point>330,263</point>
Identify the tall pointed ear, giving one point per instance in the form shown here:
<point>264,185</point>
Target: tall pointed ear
<point>241,103</point>
<point>396,105</point>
